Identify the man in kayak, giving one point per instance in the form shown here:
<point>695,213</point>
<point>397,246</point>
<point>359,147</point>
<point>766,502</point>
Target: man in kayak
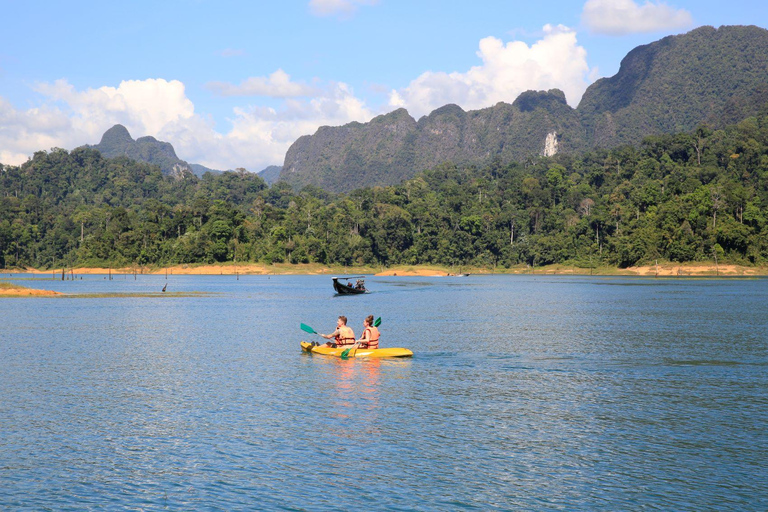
<point>342,336</point>
<point>370,337</point>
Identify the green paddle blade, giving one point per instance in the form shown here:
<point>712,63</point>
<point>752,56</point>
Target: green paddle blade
<point>377,322</point>
<point>306,328</point>
<point>345,354</point>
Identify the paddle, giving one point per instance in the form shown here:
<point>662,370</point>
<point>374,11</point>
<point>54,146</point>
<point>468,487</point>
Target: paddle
<point>345,354</point>
<point>306,328</point>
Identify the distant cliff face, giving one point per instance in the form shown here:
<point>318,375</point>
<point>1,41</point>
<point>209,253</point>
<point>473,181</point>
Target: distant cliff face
<point>707,75</point>
<point>337,158</point>
<point>393,147</point>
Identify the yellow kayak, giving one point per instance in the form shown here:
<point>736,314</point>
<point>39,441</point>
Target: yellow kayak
<point>360,352</point>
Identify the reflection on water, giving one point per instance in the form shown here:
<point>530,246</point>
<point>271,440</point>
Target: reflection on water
<point>525,392</point>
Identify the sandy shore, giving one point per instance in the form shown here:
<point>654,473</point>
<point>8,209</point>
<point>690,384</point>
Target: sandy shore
<point>413,272</point>
<point>15,291</point>
<point>697,270</point>
<point>665,269</point>
<point>213,269</point>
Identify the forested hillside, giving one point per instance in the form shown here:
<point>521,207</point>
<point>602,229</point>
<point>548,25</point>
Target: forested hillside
<point>689,196</point>
<point>677,83</point>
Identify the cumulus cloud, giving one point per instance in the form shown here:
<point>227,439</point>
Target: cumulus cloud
<point>258,136</point>
<point>276,85</point>
<point>69,118</point>
<point>342,8</point>
<point>141,105</point>
<point>555,61</point>
<point>24,132</point>
<point>619,17</point>
<point>262,135</point>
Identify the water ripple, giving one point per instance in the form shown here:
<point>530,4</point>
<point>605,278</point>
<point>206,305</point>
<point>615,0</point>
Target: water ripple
<point>525,393</point>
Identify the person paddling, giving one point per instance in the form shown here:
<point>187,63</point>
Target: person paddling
<point>370,338</point>
<point>343,335</point>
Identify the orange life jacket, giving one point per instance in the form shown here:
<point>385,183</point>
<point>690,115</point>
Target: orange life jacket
<point>346,336</point>
<point>373,337</point>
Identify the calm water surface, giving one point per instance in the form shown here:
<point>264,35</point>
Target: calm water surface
<point>525,393</point>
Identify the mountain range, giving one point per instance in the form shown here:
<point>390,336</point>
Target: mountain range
<point>706,76</point>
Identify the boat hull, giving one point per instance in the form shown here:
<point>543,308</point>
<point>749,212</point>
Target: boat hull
<point>343,289</point>
<point>325,350</point>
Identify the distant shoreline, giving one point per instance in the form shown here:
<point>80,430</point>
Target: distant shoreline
<point>663,269</point>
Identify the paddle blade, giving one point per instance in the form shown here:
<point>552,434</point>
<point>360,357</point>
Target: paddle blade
<point>377,322</point>
<point>306,328</point>
<point>345,354</point>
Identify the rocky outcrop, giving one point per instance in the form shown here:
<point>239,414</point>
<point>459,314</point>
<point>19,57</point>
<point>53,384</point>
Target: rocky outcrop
<point>118,142</point>
<point>550,144</point>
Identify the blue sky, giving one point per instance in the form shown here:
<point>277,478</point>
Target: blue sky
<point>233,84</point>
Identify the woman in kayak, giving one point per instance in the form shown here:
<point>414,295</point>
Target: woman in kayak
<point>343,335</point>
<point>370,337</point>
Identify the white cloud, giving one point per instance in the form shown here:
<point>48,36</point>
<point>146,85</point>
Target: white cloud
<point>342,8</point>
<point>259,136</point>
<point>619,17</point>
<point>276,85</point>
<point>143,106</point>
<point>24,132</point>
<point>555,61</point>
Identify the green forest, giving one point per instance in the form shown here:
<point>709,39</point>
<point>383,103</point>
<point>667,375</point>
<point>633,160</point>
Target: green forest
<point>686,197</point>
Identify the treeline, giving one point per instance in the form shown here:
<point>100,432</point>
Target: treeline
<point>686,197</point>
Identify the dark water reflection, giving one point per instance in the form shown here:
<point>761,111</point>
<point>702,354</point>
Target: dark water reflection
<point>525,392</point>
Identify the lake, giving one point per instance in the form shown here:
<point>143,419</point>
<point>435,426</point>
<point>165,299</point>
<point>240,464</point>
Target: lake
<point>524,393</point>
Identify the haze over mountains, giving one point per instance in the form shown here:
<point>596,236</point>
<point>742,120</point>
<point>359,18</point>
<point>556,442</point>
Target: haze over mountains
<point>708,75</point>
